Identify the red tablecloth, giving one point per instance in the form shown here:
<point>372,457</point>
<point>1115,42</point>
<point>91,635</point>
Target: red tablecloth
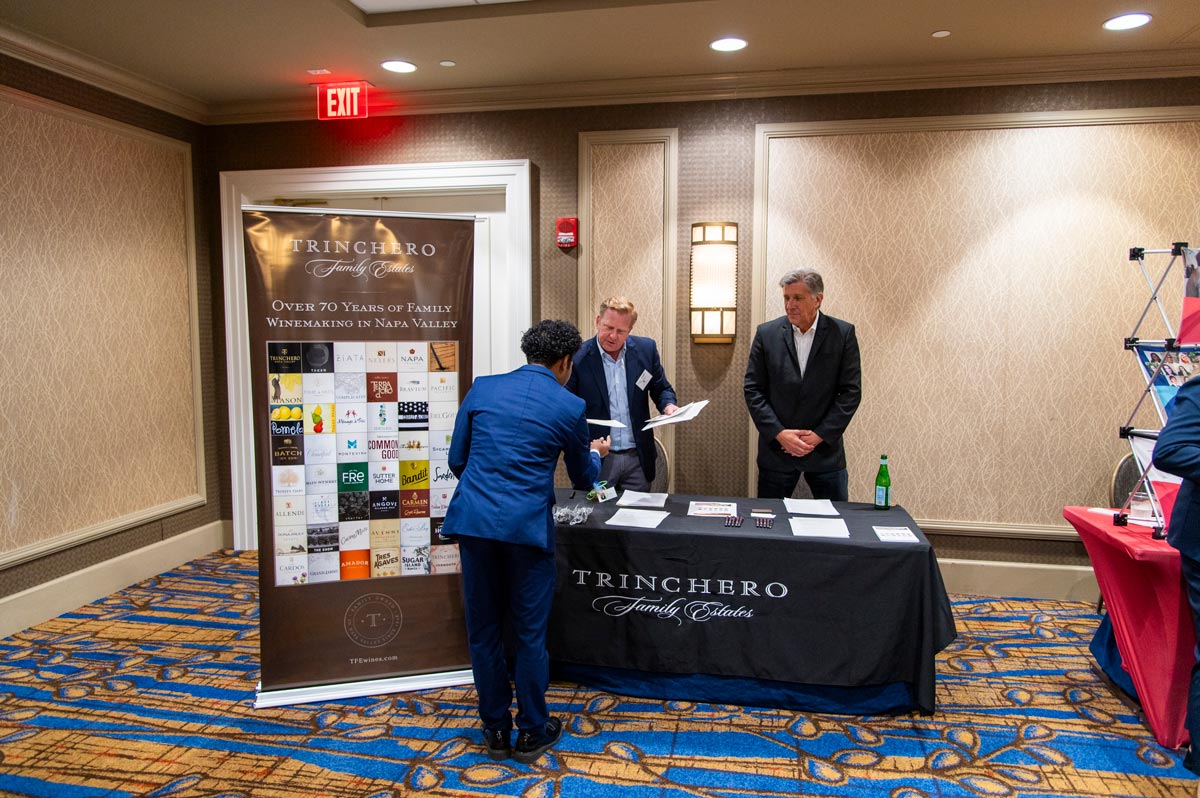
<point>1142,587</point>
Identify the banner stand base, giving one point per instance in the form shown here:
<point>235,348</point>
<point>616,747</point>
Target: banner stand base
<point>334,692</point>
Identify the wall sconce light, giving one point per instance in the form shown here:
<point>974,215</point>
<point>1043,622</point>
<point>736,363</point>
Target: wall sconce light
<point>714,282</point>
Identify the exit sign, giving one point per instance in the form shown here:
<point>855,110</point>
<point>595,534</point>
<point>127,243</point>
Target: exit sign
<point>342,100</point>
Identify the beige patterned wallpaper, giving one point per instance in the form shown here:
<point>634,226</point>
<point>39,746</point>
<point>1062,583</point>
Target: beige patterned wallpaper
<point>98,430</point>
<point>987,274</point>
<point>627,199</point>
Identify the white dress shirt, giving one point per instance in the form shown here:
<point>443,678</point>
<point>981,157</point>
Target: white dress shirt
<point>804,342</point>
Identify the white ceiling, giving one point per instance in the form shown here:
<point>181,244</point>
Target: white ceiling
<point>221,61</point>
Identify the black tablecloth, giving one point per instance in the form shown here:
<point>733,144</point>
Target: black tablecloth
<point>696,597</point>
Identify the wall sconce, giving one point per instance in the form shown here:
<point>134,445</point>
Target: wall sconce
<point>714,282</point>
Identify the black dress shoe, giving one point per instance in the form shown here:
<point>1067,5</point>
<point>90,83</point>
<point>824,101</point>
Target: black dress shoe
<point>497,742</point>
<point>531,745</point>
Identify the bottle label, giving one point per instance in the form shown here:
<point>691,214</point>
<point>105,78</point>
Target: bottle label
<point>882,496</point>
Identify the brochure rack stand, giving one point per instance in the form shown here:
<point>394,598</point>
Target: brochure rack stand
<point>1165,364</point>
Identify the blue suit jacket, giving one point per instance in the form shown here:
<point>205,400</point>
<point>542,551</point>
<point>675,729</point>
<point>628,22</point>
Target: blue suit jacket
<point>507,438</point>
<point>588,381</point>
<point>823,400</point>
<point>1178,452</point>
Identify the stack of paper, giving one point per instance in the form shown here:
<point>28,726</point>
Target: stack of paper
<point>685,413</point>
<point>634,498</point>
<point>819,527</point>
<point>810,506</point>
<point>642,519</point>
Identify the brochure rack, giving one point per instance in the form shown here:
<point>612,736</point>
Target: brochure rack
<point>1166,364</point>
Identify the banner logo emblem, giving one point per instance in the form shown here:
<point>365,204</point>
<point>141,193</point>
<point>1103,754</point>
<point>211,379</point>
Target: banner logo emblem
<point>373,620</point>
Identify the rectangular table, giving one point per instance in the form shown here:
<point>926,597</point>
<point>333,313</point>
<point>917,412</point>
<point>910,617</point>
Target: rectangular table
<point>696,610</point>
<point>1142,586</point>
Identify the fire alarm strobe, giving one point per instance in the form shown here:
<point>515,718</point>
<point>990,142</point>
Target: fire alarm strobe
<point>566,232</point>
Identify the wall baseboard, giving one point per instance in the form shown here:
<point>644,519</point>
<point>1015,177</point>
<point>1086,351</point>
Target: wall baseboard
<point>1029,580</point>
<point>51,599</point>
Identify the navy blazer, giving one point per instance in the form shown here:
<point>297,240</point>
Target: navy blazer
<point>824,400</point>
<point>507,438</point>
<point>588,381</point>
<point>1178,452</point>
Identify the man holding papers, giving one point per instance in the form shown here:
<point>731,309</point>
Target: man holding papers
<point>618,375</point>
<point>803,384</point>
<point>508,435</point>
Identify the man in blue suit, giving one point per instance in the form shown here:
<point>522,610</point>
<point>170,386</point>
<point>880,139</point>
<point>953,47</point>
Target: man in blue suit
<point>803,384</point>
<point>1178,452</point>
<point>618,375</point>
<point>508,435</point>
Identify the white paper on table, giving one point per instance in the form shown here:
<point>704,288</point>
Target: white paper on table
<point>1146,522</point>
<point>685,413</point>
<point>819,527</point>
<point>810,506</point>
<point>895,534</point>
<point>721,509</point>
<point>642,519</point>
<point>635,498</point>
<point>605,422</point>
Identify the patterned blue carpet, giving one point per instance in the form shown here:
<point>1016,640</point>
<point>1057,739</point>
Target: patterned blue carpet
<point>149,693</point>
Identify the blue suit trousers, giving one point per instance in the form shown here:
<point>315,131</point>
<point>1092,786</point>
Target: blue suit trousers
<point>508,584</point>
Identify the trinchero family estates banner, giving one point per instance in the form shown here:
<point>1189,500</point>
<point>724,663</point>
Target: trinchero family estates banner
<point>360,351</point>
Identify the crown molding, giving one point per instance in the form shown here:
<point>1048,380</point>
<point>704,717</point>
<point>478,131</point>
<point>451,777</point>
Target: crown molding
<point>733,86</point>
<point>478,10</point>
<point>1175,63</point>
<point>75,65</point>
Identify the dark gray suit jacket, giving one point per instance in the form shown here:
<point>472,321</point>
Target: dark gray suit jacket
<point>823,401</point>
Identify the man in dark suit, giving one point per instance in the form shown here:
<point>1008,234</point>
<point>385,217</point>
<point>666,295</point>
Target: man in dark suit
<point>803,384</point>
<point>1178,452</point>
<point>618,375</point>
<point>507,438</point>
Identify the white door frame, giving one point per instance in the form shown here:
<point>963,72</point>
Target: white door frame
<point>511,290</point>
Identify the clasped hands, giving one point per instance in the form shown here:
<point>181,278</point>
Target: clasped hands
<point>798,442</point>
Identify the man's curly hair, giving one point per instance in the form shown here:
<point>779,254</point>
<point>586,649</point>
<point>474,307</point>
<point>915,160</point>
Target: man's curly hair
<point>549,341</point>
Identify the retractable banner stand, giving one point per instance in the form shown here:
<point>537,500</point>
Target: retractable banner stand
<point>360,349</point>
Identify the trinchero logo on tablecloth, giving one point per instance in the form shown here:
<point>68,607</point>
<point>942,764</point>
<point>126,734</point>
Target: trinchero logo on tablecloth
<point>696,600</point>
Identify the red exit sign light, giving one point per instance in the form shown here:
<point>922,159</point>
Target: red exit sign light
<point>342,100</point>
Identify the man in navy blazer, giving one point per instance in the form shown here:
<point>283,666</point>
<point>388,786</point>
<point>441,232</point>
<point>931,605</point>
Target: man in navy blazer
<point>803,384</point>
<point>1178,452</point>
<point>507,438</point>
<point>618,375</point>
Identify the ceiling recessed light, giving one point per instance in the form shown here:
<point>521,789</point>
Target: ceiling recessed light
<point>728,45</point>
<point>320,71</point>
<point>447,63</point>
<point>940,34</point>
<point>1127,22</point>
<point>399,66</point>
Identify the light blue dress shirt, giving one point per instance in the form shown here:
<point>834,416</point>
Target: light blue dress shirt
<point>618,398</point>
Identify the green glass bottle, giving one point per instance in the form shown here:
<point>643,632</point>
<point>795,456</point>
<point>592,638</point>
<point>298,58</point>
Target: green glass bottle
<point>883,485</point>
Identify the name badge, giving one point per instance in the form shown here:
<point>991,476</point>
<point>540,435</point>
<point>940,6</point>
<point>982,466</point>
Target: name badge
<point>604,492</point>
<point>643,380</point>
